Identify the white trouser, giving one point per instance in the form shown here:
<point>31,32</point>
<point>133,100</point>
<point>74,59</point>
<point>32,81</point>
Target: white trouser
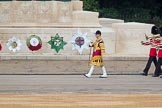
<point>104,71</point>
<point>92,69</point>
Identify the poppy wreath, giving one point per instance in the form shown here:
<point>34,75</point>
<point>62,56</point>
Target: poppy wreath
<point>34,43</point>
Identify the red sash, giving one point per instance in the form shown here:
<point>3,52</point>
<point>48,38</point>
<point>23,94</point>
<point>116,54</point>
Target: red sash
<point>97,53</point>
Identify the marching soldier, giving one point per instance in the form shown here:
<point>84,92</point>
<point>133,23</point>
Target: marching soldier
<point>97,56</point>
<point>154,40</point>
<point>159,63</point>
<point>161,36</point>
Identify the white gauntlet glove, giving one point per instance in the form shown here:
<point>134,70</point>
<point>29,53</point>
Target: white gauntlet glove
<point>91,44</point>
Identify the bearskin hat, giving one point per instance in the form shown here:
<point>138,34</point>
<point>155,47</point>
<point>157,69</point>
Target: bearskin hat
<point>160,31</point>
<point>155,30</point>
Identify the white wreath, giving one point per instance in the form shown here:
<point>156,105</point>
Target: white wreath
<point>14,44</point>
<point>84,45</point>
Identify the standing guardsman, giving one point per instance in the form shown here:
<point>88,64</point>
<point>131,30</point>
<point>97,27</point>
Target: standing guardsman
<point>154,40</point>
<point>97,56</point>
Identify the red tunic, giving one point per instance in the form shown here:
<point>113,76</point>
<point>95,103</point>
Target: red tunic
<point>153,52</point>
<point>160,53</point>
<point>156,42</point>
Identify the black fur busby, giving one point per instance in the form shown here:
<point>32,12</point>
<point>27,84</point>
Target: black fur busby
<point>160,31</point>
<point>155,30</point>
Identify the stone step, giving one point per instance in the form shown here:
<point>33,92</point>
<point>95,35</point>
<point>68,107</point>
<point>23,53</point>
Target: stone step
<point>66,57</point>
<point>78,64</point>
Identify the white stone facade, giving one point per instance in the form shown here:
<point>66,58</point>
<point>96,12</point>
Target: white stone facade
<point>45,19</point>
<point>51,13</point>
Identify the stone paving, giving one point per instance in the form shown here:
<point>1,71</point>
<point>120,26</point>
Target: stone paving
<point>56,84</point>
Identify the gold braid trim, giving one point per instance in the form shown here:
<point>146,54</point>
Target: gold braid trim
<point>97,61</point>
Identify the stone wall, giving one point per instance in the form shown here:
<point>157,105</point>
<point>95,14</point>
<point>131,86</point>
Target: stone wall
<point>46,33</point>
<point>108,22</point>
<point>124,53</point>
<point>22,19</point>
<point>51,13</point>
<point>70,65</point>
<point>129,37</point>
